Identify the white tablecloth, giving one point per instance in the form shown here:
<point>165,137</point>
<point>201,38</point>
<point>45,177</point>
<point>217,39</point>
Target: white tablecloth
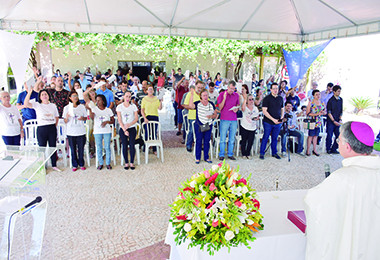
<point>280,238</point>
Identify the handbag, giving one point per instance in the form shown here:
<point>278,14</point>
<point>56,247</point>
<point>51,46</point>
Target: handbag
<point>309,123</point>
<point>205,127</point>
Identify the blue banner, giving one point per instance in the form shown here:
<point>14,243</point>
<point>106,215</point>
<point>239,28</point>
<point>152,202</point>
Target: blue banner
<point>298,62</point>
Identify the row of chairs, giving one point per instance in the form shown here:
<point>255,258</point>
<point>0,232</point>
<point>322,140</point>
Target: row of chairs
<point>215,140</point>
<point>147,131</point>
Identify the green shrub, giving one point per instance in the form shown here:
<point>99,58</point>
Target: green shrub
<point>361,103</point>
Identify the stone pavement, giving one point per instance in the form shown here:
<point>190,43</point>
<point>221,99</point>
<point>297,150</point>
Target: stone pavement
<point>107,214</point>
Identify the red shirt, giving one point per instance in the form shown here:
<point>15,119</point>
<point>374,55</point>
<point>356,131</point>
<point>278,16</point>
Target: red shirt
<point>181,90</point>
<point>161,82</point>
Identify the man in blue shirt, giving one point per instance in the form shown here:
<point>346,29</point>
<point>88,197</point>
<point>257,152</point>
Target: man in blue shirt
<point>103,90</point>
<point>83,81</point>
<point>28,113</point>
<point>291,119</point>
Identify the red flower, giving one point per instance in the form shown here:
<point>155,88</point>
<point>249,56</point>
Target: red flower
<point>182,217</point>
<point>212,187</point>
<point>242,180</point>
<point>212,203</point>
<point>238,203</point>
<point>196,202</point>
<point>182,197</point>
<point>188,189</point>
<point>212,179</point>
<point>215,223</point>
<point>256,203</point>
<point>220,164</point>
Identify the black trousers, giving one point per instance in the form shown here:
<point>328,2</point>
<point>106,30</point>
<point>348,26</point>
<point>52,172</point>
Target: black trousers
<point>128,140</point>
<point>48,134</point>
<point>247,139</point>
<point>77,150</point>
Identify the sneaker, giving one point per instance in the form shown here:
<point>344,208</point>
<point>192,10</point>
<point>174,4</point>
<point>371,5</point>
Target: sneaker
<point>232,158</point>
<point>56,169</point>
<point>334,152</point>
<point>261,157</point>
<point>221,158</point>
<point>283,154</point>
<point>301,154</point>
<point>178,133</point>
<point>100,167</point>
<point>74,169</point>
<point>276,156</point>
<point>83,168</point>
<point>189,150</point>
<point>109,167</point>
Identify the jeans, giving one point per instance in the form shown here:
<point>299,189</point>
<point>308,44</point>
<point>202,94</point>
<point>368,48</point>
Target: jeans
<point>295,133</point>
<point>247,139</point>
<point>48,134</point>
<point>231,128</point>
<point>180,116</point>
<point>331,129</point>
<point>189,143</point>
<point>128,140</point>
<point>76,144</point>
<point>12,140</point>
<point>175,105</point>
<point>273,131</point>
<point>202,137</point>
<point>99,147</point>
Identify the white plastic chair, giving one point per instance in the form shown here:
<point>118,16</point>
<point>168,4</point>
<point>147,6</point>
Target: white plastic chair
<point>238,137</point>
<point>116,138</point>
<point>137,147</point>
<point>195,141</point>
<point>151,138</point>
<point>305,131</point>
<point>61,140</point>
<point>30,128</point>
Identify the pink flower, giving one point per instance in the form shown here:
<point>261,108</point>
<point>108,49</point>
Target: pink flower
<point>212,179</point>
<point>181,217</point>
<point>188,189</point>
<point>182,197</point>
<point>220,164</point>
<point>225,225</point>
<point>238,203</point>
<point>196,202</point>
<point>207,174</point>
<point>256,203</point>
<point>212,187</point>
<point>242,180</point>
<point>212,203</point>
<point>215,223</point>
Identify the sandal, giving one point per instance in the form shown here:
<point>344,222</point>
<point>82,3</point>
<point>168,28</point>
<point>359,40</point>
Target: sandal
<point>126,167</point>
<point>208,161</point>
<point>316,154</point>
<point>197,161</point>
<point>132,167</point>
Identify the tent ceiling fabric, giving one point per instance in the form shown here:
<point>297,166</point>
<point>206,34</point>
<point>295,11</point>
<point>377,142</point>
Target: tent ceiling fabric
<point>267,20</point>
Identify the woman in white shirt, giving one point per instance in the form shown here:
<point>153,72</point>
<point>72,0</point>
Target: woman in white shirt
<point>127,117</point>
<point>248,124</point>
<point>11,127</point>
<point>47,120</point>
<point>103,118</point>
<point>75,114</point>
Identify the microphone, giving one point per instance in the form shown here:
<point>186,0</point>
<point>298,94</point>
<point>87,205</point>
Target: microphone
<point>327,170</point>
<point>35,201</point>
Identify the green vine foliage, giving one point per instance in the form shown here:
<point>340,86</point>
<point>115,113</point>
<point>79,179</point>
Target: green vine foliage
<point>159,47</point>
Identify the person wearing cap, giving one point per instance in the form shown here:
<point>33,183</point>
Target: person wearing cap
<point>343,212</point>
<point>103,90</point>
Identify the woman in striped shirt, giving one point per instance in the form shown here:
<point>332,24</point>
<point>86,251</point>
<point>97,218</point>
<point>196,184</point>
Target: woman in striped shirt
<point>205,113</point>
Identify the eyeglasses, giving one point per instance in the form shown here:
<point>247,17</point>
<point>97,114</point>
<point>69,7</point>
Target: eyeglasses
<point>250,99</point>
<point>74,95</point>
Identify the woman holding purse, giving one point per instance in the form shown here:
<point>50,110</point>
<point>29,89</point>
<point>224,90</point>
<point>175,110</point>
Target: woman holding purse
<point>248,124</point>
<point>205,113</point>
<point>315,109</point>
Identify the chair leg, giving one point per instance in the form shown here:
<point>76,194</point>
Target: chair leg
<point>117,146</point>
<point>211,150</point>
<point>114,156</point>
<point>146,153</point>
<point>162,153</point>
<point>137,147</point>
<point>121,158</point>
<point>87,150</point>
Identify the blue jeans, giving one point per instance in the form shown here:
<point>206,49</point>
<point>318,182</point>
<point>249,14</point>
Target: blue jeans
<point>99,147</point>
<point>202,138</point>
<point>12,140</point>
<point>295,133</point>
<point>331,129</point>
<point>189,143</point>
<point>231,128</point>
<point>273,131</point>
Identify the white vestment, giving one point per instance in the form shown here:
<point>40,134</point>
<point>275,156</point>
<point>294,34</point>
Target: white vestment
<point>343,212</point>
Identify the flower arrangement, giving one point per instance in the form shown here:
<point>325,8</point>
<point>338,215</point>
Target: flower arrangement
<point>216,208</point>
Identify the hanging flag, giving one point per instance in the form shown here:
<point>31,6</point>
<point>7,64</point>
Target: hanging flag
<point>298,62</point>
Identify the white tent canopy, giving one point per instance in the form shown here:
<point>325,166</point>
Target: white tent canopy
<point>268,20</point>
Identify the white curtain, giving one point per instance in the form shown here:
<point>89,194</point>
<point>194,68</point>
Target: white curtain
<point>15,50</point>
